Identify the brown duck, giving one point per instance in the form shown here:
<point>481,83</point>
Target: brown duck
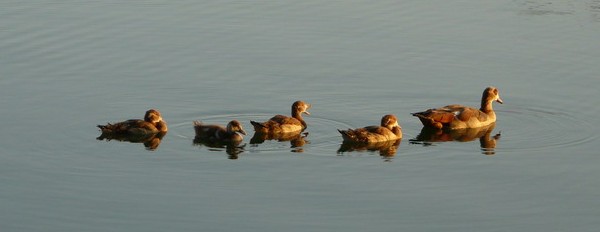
<point>153,123</point>
<point>217,133</point>
<point>459,116</point>
<point>388,130</point>
<point>285,124</point>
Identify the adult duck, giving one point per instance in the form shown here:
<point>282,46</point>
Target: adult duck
<point>152,123</point>
<point>388,130</point>
<point>285,124</point>
<point>460,116</point>
<point>218,133</point>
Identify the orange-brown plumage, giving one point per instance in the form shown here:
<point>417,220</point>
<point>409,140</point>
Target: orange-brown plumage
<point>285,124</point>
<point>459,116</point>
<point>388,130</point>
<point>152,124</point>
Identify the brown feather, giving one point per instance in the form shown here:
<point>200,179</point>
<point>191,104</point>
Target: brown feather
<point>459,116</point>
<point>284,124</point>
<point>389,130</point>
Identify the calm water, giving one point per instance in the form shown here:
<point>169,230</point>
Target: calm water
<point>67,66</point>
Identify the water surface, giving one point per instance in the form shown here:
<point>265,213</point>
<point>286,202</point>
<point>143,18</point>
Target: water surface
<point>67,66</point>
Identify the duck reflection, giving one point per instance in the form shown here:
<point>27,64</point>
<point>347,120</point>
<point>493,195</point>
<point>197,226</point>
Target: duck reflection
<point>150,141</point>
<point>487,142</point>
<point>297,139</point>
<point>232,148</point>
<point>387,149</point>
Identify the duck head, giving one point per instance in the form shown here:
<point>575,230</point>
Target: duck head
<point>300,107</point>
<point>491,94</point>
<point>152,116</point>
<point>390,121</point>
<point>235,126</point>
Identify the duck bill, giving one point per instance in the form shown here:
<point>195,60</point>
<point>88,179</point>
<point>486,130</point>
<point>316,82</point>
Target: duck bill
<point>306,109</point>
<point>242,131</point>
<point>500,101</point>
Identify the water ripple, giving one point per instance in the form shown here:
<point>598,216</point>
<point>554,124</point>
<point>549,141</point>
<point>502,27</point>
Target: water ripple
<point>321,136</point>
<point>536,128</point>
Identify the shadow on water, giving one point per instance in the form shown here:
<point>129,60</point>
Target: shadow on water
<point>487,142</point>
<point>151,141</point>
<point>386,150</point>
<point>233,149</point>
<point>297,139</point>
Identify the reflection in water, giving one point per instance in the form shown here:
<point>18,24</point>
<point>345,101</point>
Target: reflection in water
<point>387,149</point>
<point>233,148</point>
<point>559,8</point>
<point>297,139</point>
<point>546,8</point>
<point>487,142</point>
<point>150,141</point>
<point>594,7</point>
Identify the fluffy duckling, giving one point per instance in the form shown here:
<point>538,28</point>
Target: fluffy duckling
<point>285,124</point>
<point>217,133</point>
<point>152,124</point>
<point>459,116</point>
<point>387,131</point>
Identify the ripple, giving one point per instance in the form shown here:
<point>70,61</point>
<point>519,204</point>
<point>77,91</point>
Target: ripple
<point>534,129</point>
<point>524,128</point>
<point>321,136</point>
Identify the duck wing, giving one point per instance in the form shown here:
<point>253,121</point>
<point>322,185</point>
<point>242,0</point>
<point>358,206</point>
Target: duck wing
<point>365,134</point>
<point>207,131</point>
<point>440,115</point>
<point>125,126</point>
<point>282,119</point>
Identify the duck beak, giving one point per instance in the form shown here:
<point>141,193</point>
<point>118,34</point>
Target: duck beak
<point>242,131</point>
<point>306,110</point>
<point>499,100</point>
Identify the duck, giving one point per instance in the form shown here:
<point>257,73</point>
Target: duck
<point>152,123</point>
<point>284,124</point>
<point>459,116</point>
<point>388,130</point>
<point>218,133</point>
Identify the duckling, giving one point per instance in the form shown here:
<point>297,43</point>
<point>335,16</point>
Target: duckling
<point>459,116</point>
<point>387,131</point>
<point>284,124</point>
<point>153,123</point>
<point>217,133</point>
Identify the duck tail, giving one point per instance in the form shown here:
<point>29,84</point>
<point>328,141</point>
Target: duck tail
<point>197,125</point>
<point>260,127</point>
<point>418,114</point>
<point>108,128</point>
<point>257,125</point>
<point>346,135</point>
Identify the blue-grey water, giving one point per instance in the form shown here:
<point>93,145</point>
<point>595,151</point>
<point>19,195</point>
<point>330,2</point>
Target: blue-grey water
<point>66,66</point>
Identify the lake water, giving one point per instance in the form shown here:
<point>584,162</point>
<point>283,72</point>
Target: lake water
<point>66,66</point>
